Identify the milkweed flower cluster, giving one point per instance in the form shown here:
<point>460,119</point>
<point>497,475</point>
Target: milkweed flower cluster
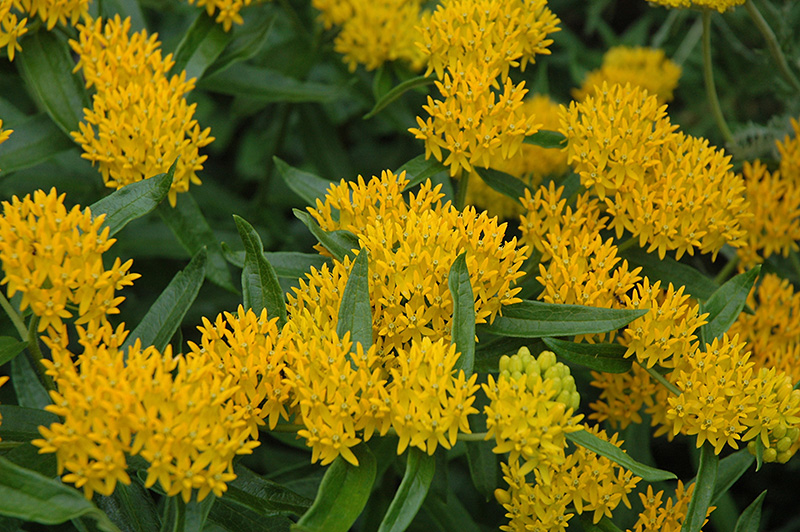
<point>140,121</point>
<point>665,516</point>
<point>228,12</point>
<point>670,190</point>
<point>648,68</point>
<point>789,150</point>
<point>374,32</point>
<point>52,256</point>
<point>15,14</point>
<point>471,46</point>
<point>719,5</point>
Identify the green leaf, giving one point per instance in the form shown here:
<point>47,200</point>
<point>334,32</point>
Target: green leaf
<point>599,357</point>
<point>503,183</point>
<point>131,508</point>
<point>174,519</point>
<point>399,90</point>
<point>759,454</point>
<point>703,490</point>
<point>668,270</point>
<point>730,469</point>
<point>463,332</point>
<point>124,8</point>
<point>34,141</point>
<point>190,227</point>
<point>201,45</point>
<point>22,423</point>
<point>604,525</point>
<point>535,319</point>
<point>547,139</point>
<point>306,185</point>
<point>266,85</point>
<point>166,314</point>
<point>726,303</point>
<point>483,467</point>
<point>355,310</point>
<point>420,468</point>
<point>244,45</point>
<point>234,518</point>
<point>342,494</point>
<point>751,516</point>
<point>450,514</point>
<point>30,392</point>
<point>418,170</point>
<point>260,288</point>
<point>615,454</point>
<point>10,348</point>
<point>46,66</point>
<point>34,497</point>
<point>197,513</point>
<point>263,496</point>
<point>133,201</point>
<point>288,264</point>
<point>340,243</point>
<point>27,455</point>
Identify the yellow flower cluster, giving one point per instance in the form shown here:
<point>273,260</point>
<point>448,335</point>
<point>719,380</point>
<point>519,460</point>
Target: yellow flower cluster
<point>174,412</point>
<point>140,121</point>
<point>623,395</point>
<point>14,15</point>
<point>670,190</point>
<point>470,46</point>
<point>584,482</point>
<point>53,257</point>
<point>719,5</point>
<point>647,68</point>
<point>530,164</point>
<point>775,223</point>
<point>789,150</point>
<point>412,245</point>
<point>724,399</point>
<point>374,31</point>
<point>660,516</point>
<point>228,11</point>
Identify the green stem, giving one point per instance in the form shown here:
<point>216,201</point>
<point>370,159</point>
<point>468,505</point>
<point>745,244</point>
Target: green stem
<point>726,270</point>
<point>660,378</point>
<point>772,44</point>
<point>461,191</point>
<point>632,241</point>
<point>36,354</point>
<point>793,258</point>
<point>708,75</point>
<point>16,319</point>
<point>475,436</point>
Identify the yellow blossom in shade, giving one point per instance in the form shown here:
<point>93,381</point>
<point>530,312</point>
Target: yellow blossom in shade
<point>249,348</point>
<point>412,245</point>
<point>719,5</point>
<point>473,122</point>
<point>140,122</point>
<point>530,164</point>
<point>622,396</point>
<point>668,329</point>
<point>648,68</point>
<point>775,222</point>
<point>789,150</point>
<point>15,14</point>
<point>497,34</point>
<point>174,412</point>
<point>665,516</point>
<point>374,32</point>
<point>227,11</point>
<point>53,256</point>
<point>12,27</point>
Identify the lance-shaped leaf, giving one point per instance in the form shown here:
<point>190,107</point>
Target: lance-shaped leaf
<point>419,169</point>
<point>409,497</point>
<point>703,490</point>
<point>726,303</point>
<point>503,183</point>
<point>166,314</point>
<point>263,496</point>
<point>463,331</point>
<point>289,264</point>
<point>342,494</point>
<point>22,424</point>
<point>267,85</point>
<point>174,516</point>
<point>355,311</point>
<point>547,139</point>
<point>599,357</point>
<point>130,507</point>
<point>202,43</point>
<point>245,44</point>
<point>133,201</point>
<point>34,141</point>
<point>306,185</point>
<point>535,319</point>
<point>668,270</point>
<point>751,516</point>
<point>615,454</point>
<point>29,390</point>
<point>730,469</point>
<point>33,497</point>
<point>399,90</point>
<point>340,243</point>
<point>9,348</point>
<point>46,66</point>
<point>483,462</point>
<point>260,287</point>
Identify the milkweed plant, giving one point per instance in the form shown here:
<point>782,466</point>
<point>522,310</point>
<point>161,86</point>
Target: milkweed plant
<point>388,265</point>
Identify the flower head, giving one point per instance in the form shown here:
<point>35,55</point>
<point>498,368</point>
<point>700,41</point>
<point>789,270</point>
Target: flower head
<point>789,150</point>
<point>665,516</point>
<point>227,11</point>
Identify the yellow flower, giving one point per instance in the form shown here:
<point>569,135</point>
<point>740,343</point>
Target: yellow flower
<point>790,154</point>
<point>228,11</point>
<point>719,5</point>
<point>622,396</point>
<point>14,16</point>
<point>11,29</point>
<point>647,68</point>
<point>660,516</point>
<point>54,257</point>
<point>140,121</point>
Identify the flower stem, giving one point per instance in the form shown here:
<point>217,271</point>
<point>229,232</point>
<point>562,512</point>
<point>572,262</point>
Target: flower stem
<point>16,319</point>
<point>660,378</point>
<point>772,44</point>
<point>793,258</point>
<point>726,270</point>
<point>461,191</point>
<point>708,74</point>
<point>627,244</point>
<point>36,354</point>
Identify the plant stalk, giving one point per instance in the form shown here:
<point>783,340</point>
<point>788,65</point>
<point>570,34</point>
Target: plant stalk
<point>708,75</point>
<point>772,44</point>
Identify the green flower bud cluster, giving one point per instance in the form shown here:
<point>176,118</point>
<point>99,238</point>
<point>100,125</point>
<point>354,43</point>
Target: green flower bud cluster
<point>544,368</point>
<point>783,444</point>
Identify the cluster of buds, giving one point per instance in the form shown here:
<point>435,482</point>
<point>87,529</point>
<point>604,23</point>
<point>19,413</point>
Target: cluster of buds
<point>542,368</point>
